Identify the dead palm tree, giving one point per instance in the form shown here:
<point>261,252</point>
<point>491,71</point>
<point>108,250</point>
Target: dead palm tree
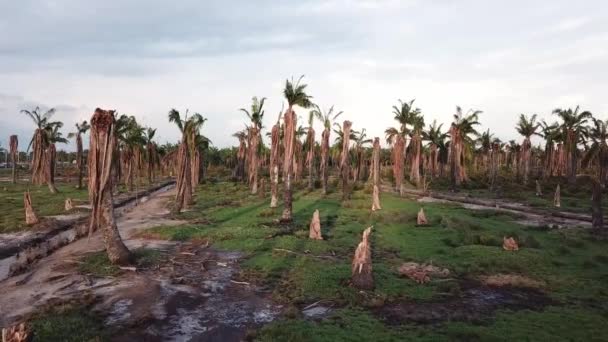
<point>573,126</point>
<point>328,118</point>
<point>460,138</point>
<point>189,127</point>
<point>310,146</point>
<point>14,152</point>
<point>417,122</point>
<point>101,156</point>
<point>295,94</point>
<point>361,140</point>
<point>40,143</point>
<point>151,149</point>
<point>403,114</point>
<point>598,151</point>
<point>552,134</point>
<point>256,115</point>
<point>436,140</point>
<point>81,128</point>
<point>527,127</point>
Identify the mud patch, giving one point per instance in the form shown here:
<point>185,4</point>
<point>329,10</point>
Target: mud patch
<point>197,299</point>
<point>475,304</point>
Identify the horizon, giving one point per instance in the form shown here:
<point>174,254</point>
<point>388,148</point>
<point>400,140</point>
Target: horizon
<point>144,57</point>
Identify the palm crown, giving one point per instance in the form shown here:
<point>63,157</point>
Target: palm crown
<point>295,93</point>
<point>257,112</point>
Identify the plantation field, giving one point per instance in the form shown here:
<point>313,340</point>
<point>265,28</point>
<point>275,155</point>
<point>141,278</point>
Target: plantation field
<point>559,290</point>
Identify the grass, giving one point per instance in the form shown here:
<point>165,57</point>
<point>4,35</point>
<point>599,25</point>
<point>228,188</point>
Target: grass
<point>12,215</point>
<point>574,198</point>
<point>573,263</point>
<point>69,322</point>
<point>98,264</point>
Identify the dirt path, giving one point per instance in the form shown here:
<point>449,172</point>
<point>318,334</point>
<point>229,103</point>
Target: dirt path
<point>191,296</point>
<point>54,275</point>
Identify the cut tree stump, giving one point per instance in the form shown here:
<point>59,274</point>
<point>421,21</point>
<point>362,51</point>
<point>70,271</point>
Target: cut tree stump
<point>315,227</point>
<point>30,214</point>
<point>68,204</point>
<point>509,244</point>
<point>421,218</point>
<point>362,277</point>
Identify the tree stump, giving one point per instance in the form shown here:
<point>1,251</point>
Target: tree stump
<point>421,218</point>
<point>16,333</point>
<point>362,264</point>
<point>30,214</point>
<point>262,188</point>
<point>557,197</point>
<point>376,199</point>
<point>315,227</point>
<point>509,244</point>
<point>539,191</point>
<point>68,204</point>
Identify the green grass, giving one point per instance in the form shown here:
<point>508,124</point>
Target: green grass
<point>98,264</point>
<point>573,263</point>
<point>67,323</point>
<point>12,215</point>
<point>574,198</point>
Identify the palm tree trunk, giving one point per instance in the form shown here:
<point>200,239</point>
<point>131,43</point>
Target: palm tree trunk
<point>324,158</point>
<point>274,165</point>
<point>14,143</point>
<point>254,135</point>
<point>398,156</point>
<point>310,159</point>
<point>49,166</point>
<point>415,167</point>
<point>525,159</point>
<point>100,186</point>
<point>38,156</point>
<point>344,161</point>
<point>79,161</point>
<point>290,122</point>
<point>183,195</point>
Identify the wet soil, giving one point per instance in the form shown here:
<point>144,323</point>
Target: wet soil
<point>195,296</point>
<point>476,304</point>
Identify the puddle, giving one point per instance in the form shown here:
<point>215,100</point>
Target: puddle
<point>475,304</point>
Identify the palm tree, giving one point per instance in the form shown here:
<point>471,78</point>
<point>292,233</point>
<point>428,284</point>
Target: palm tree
<point>485,148</point>
<point>551,133</point>
<point>417,122</point>
<point>295,94</point>
<point>275,149</point>
<point>239,169</point>
<point>573,126</point>
<point>40,143</point>
<point>310,145</point>
<point>360,139</point>
<point>13,146</point>
<point>189,127</point>
<point>460,138</point>
<point>256,115</point>
<point>101,156</point>
<point>328,118</point>
<point>404,114</point>
<point>81,128</point>
<point>598,151</point>
<point>151,150</point>
<point>436,142</point>
<point>527,127</point>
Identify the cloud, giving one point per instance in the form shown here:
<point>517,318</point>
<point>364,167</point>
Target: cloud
<point>143,57</point>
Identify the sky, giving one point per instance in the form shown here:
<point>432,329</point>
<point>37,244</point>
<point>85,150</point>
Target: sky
<point>144,57</point>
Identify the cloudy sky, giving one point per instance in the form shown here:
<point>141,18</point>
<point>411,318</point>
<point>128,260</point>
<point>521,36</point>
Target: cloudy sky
<point>143,57</point>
